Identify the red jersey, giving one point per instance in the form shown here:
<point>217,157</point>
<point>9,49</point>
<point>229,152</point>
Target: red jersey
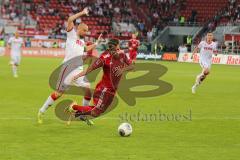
<point>110,66</point>
<point>133,45</point>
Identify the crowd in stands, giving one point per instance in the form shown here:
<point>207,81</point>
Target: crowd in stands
<point>116,17</point>
<point>125,19</point>
<point>232,11</point>
<point>158,13</point>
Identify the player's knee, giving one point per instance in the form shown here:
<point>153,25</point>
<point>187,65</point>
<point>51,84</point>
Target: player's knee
<point>87,86</point>
<point>88,92</point>
<point>56,95</point>
<point>206,72</point>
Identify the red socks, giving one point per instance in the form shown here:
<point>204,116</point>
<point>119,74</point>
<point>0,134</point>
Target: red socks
<point>87,98</point>
<point>54,96</point>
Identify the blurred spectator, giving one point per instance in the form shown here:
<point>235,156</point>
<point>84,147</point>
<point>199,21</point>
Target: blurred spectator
<point>149,35</point>
<point>182,49</point>
<point>28,42</point>
<point>55,45</point>
<point>141,26</point>
<point>2,42</point>
<point>2,46</point>
<point>189,42</point>
<point>181,20</point>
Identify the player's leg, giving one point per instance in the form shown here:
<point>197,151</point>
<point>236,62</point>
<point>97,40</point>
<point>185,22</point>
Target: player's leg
<point>60,87</point>
<point>102,100</point>
<point>87,97</point>
<point>133,56</point>
<point>85,84</point>
<point>202,76</point>
<point>82,112</point>
<point>15,61</point>
<point>48,103</point>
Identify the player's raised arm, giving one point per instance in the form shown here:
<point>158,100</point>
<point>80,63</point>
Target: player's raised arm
<point>93,46</point>
<point>196,49</point>
<point>72,18</point>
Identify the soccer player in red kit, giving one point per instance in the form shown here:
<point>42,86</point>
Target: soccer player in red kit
<point>133,47</point>
<point>114,62</point>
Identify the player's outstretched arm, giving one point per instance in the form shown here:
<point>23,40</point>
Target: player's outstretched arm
<point>196,49</point>
<point>72,18</point>
<point>98,63</point>
<point>93,46</point>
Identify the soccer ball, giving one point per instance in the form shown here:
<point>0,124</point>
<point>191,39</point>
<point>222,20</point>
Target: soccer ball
<point>125,129</point>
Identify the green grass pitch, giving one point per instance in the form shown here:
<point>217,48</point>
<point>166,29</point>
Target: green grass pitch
<point>211,134</point>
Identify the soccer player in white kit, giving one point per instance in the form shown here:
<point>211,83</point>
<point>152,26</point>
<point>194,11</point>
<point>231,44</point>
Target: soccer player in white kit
<point>75,47</point>
<point>207,49</point>
<point>15,43</point>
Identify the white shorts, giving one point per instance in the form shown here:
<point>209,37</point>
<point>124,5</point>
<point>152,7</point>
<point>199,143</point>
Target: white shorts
<point>205,63</point>
<point>15,59</point>
<point>65,79</point>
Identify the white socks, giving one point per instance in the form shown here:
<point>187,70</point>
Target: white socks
<point>14,69</point>
<point>50,101</point>
<point>85,102</point>
<point>47,104</point>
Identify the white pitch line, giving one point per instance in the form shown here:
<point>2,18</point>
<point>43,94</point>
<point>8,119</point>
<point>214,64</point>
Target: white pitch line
<point>115,118</point>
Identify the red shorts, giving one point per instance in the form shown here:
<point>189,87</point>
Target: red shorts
<point>102,98</point>
<point>133,55</point>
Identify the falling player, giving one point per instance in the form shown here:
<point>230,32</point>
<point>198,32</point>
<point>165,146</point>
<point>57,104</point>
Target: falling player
<point>133,45</point>
<point>75,47</point>
<point>15,43</point>
<point>207,49</point>
<point>114,62</point>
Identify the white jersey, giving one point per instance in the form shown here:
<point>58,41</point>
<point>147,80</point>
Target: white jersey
<point>74,46</point>
<point>207,50</point>
<point>72,66</point>
<point>16,44</point>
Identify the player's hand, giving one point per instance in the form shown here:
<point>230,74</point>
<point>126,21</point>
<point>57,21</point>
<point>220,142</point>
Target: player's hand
<point>99,39</point>
<point>85,11</point>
